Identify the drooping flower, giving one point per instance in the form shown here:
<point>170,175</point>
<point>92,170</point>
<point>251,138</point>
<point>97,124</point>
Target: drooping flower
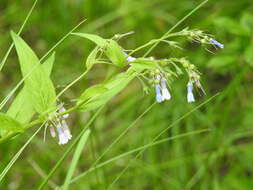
<point>159,97</point>
<point>216,43</point>
<point>61,126</point>
<point>190,96</point>
<point>165,92</point>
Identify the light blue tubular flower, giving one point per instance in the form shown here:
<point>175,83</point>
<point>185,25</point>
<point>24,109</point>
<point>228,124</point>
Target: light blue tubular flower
<point>165,92</point>
<point>216,43</point>
<point>61,127</point>
<point>190,96</point>
<point>129,57</point>
<point>159,97</point>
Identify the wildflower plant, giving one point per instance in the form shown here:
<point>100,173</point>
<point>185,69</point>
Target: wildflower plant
<point>38,98</point>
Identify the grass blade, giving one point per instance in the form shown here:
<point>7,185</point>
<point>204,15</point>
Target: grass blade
<point>176,25</point>
<point>19,32</point>
<point>75,159</point>
<point>160,134</point>
<point>137,150</point>
<point>14,159</point>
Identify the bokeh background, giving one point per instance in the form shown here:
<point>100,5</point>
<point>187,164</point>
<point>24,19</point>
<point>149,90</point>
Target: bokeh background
<point>220,159</point>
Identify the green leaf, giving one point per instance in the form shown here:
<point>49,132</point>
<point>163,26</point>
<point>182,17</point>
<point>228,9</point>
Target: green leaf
<point>95,38</point>
<point>141,64</point>
<point>21,108</point>
<point>113,86</point>
<point>75,159</point>
<point>91,59</point>
<point>115,53</point>
<point>9,124</point>
<point>40,88</point>
<point>93,91</point>
<point>112,50</point>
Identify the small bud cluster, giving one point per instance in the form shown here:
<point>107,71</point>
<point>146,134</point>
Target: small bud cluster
<point>202,38</point>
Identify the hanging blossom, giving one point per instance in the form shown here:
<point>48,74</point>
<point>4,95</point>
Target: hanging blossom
<point>165,92</point>
<point>162,93</point>
<point>190,96</point>
<point>159,97</point>
<point>61,127</point>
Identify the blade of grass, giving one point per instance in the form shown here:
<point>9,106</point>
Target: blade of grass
<point>160,134</point>
<point>136,150</point>
<point>123,133</point>
<point>75,159</point>
<point>14,159</point>
<point>41,173</point>
<point>19,32</point>
<point>57,165</point>
<point>176,25</point>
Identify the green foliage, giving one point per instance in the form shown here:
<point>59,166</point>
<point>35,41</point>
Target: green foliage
<point>219,159</point>
<point>112,50</point>
<point>8,124</point>
<point>91,59</point>
<point>38,84</point>
<point>75,159</point>
<point>21,108</point>
<point>99,95</point>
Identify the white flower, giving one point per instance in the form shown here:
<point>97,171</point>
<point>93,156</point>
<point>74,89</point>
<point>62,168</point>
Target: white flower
<point>190,96</point>
<point>165,92</point>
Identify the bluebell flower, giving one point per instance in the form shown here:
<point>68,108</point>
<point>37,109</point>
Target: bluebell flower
<point>190,96</point>
<point>216,43</point>
<point>62,128</point>
<point>159,97</point>
<point>165,92</point>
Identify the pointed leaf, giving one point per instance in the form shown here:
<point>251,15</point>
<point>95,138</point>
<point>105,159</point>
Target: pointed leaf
<point>39,86</point>
<point>21,108</point>
<point>115,53</point>
<point>95,38</point>
<point>91,59</point>
<point>113,86</point>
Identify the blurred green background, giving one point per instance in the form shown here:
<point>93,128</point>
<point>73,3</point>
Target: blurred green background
<point>220,159</point>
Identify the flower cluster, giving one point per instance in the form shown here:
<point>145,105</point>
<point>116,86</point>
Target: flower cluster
<point>160,84</point>
<point>162,71</point>
<point>61,126</point>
